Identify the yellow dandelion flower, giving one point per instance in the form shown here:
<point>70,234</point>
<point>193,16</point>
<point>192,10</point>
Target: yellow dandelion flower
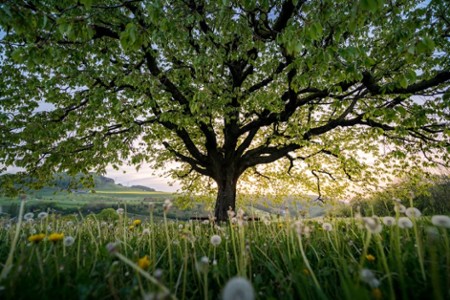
<point>144,262</point>
<point>36,238</point>
<point>55,237</point>
<point>377,294</point>
<point>306,271</point>
<point>137,222</point>
<point>280,225</point>
<point>370,257</point>
<point>131,227</point>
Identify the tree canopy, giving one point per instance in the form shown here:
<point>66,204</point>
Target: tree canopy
<point>224,87</point>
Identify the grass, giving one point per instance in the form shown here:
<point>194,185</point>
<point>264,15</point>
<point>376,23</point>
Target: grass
<point>283,258</point>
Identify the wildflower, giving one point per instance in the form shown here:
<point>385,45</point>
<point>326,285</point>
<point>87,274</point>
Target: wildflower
<point>202,265</point>
<point>372,224</point>
<point>167,204</point>
<point>368,277</point>
<point>55,237</point>
<point>216,240</point>
<point>131,227</point>
<point>205,222</point>
<point>370,257</point>
<point>327,226</point>
<point>214,262</point>
<point>389,221</point>
<point>42,215</point>
<point>137,222</point>
<point>144,262</point>
<point>69,223</point>
<point>441,221</point>
<point>404,222</point>
<point>238,288</point>
<point>231,213</point>
<point>413,212</point>
<point>112,247</point>
<point>180,226</point>
<point>68,241</point>
<point>146,231</point>
<point>399,208</point>
<point>28,216</point>
<point>376,292</point>
<point>158,273</point>
<point>120,211</point>
<point>36,238</point>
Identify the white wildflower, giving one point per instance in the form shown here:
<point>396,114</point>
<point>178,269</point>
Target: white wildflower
<point>28,216</point>
<point>389,221</point>
<point>68,241</point>
<point>372,224</point>
<point>167,204</point>
<point>413,212</point>
<point>216,240</point>
<point>404,222</point>
<point>146,231</point>
<point>400,208</point>
<point>441,221</point>
<point>42,215</point>
<point>120,211</point>
<point>238,288</point>
<point>327,226</point>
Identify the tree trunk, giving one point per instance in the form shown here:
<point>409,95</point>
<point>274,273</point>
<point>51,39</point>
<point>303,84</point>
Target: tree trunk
<point>226,197</point>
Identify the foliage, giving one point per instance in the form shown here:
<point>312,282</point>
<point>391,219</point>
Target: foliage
<point>224,88</point>
<point>431,195</point>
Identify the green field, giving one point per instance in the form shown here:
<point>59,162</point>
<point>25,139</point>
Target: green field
<point>118,257</point>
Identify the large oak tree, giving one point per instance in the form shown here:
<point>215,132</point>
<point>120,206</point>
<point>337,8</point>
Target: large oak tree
<point>221,86</point>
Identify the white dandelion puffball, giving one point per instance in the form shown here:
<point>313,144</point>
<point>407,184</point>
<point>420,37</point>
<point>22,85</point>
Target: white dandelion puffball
<point>68,241</point>
<point>167,204</point>
<point>120,211</point>
<point>413,212</point>
<point>238,288</point>
<point>373,224</point>
<point>42,215</point>
<point>368,277</point>
<point>28,216</point>
<point>441,221</point>
<point>404,223</point>
<point>327,226</point>
<point>216,240</point>
<point>389,221</point>
<point>400,208</point>
<point>146,231</point>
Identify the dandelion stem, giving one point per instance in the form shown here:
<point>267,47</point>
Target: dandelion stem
<point>8,264</point>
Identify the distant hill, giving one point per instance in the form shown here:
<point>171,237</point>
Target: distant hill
<point>143,187</point>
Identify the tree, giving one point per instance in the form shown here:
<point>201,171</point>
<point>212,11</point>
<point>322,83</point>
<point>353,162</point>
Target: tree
<point>222,87</point>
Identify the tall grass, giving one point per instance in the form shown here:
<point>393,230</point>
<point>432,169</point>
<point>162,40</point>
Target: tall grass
<point>282,258</point>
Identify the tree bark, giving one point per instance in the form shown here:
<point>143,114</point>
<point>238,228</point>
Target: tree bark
<point>226,197</point>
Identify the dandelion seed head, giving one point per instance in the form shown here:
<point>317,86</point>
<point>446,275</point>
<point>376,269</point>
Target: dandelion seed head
<point>413,212</point>
<point>28,216</point>
<point>112,247</point>
<point>216,240</point>
<point>327,226</point>
<point>120,211</point>
<point>238,288</point>
<point>373,225</point>
<point>205,222</point>
<point>399,208</point>
<point>146,231</point>
<point>42,215</point>
<point>366,275</point>
<point>389,221</point>
<point>404,223</point>
<point>68,241</point>
<point>158,273</point>
<point>167,205</point>
<point>441,221</point>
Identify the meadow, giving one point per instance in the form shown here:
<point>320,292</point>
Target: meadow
<point>406,256</point>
